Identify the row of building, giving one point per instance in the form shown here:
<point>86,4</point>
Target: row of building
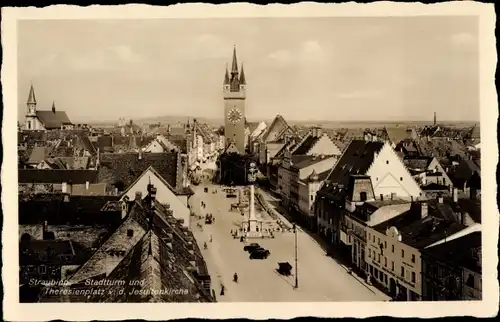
<point>113,204</point>
<point>407,218</point>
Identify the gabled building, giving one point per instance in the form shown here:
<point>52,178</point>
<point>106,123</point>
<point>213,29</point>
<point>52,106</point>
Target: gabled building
<point>428,171</point>
<point>453,270</point>
<point>365,171</point>
<point>165,193</point>
<point>271,139</point>
<point>393,247</point>
<point>41,120</point>
<point>150,252</point>
<point>120,170</point>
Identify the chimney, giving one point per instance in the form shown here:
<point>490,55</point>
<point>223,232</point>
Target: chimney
<point>138,196</point>
<point>455,195</point>
<point>64,187</point>
<point>87,184</point>
<point>424,210</point>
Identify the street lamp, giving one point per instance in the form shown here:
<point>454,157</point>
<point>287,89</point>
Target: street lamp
<point>296,265</point>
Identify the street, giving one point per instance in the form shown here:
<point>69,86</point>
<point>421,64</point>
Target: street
<point>320,277</point>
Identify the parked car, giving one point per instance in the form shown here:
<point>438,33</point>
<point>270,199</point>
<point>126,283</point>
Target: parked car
<point>260,253</point>
<point>251,247</point>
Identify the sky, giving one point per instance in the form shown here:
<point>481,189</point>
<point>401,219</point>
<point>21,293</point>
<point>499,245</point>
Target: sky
<point>335,69</point>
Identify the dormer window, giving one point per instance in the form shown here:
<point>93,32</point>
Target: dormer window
<point>130,233</point>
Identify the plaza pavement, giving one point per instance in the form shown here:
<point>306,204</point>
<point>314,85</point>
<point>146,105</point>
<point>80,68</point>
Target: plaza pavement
<point>320,277</point>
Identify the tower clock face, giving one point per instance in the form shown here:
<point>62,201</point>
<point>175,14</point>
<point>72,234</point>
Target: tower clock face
<point>234,116</point>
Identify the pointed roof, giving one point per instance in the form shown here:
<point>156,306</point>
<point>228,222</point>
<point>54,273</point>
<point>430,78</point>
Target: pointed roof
<point>54,106</point>
<point>314,176</point>
<point>242,76</point>
<point>234,69</point>
<point>226,78</point>
<point>31,97</point>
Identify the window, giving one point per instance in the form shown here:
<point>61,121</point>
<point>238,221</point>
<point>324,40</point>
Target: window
<point>130,233</point>
<point>378,241</point>
<point>392,266</point>
<point>393,248</point>
<point>387,162</point>
<point>373,238</point>
<point>42,269</point>
<point>413,277</point>
<point>402,271</point>
<point>470,281</point>
<point>385,261</point>
<point>378,260</point>
<point>369,253</point>
<point>402,253</point>
<point>400,178</point>
<point>362,196</point>
<point>413,258</point>
<point>385,244</point>
<point>369,236</point>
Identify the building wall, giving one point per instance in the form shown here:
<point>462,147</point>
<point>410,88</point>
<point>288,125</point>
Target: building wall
<point>33,124</point>
<point>164,195</point>
<point>389,175</point>
<point>472,291</point>
<point>390,256</point>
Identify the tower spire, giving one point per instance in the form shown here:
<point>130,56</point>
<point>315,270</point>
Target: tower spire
<point>434,118</point>
<point>234,69</point>
<point>53,106</point>
<point>31,97</point>
<point>226,77</point>
<point>242,76</point>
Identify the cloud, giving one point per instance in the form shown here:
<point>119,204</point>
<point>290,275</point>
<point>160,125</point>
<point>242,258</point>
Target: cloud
<point>311,50</point>
<point>125,54</point>
<point>282,57</point>
<point>463,39</point>
<point>370,93</point>
<point>104,59</point>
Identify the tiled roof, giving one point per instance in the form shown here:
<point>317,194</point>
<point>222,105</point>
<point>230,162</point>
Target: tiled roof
<point>29,251</point>
<point>127,167</point>
<point>356,159</point>
<point>470,206</point>
<point>303,161</point>
<point>416,163</point>
<point>56,176</point>
<point>95,189</point>
<point>277,126</point>
<point>306,145</point>
<point>461,252</point>
<point>104,141</point>
<point>160,253</point>
<point>53,207</point>
<point>180,141</point>
<point>53,120</point>
<point>84,143</point>
<point>420,232</point>
<point>38,154</point>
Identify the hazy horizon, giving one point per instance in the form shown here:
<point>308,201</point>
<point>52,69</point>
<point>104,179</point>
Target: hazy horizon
<point>394,69</point>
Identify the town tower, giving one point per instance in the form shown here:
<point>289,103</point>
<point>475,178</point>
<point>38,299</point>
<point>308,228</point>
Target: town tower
<point>234,90</point>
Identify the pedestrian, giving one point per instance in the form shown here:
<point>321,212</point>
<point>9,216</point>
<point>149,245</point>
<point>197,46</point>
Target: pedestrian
<point>222,288</point>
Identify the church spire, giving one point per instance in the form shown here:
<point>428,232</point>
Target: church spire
<point>226,77</point>
<point>234,69</point>
<point>53,106</point>
<point>242,76</point>
<point>31,97</point>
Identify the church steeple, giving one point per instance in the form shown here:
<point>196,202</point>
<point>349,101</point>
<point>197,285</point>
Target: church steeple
<point>53,106</point>
<point>234,69</point>
<point>226,77</point>
<point>31,97</point>
<point>242,76</point>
